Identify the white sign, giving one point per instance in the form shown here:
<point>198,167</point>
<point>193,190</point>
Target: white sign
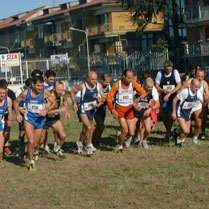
<point>9,60</point>
<point>59,58</point>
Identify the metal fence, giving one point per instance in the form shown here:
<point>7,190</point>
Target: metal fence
<point>76,70</point>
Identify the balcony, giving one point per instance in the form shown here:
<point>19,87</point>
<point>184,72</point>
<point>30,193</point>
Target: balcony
<point>197,49</point>
<point>57,37</point>
<point>110,28</point>
<point>197,15</point>
<point>27,43</point>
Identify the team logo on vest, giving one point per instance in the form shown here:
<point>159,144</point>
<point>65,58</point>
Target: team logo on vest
<point>168,82</point>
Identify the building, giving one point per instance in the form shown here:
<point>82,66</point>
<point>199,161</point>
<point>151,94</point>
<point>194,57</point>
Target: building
<point>46,31</point>
<point>196,19</point>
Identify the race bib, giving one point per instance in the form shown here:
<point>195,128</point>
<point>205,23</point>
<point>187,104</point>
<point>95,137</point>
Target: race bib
<point>90,105</point>
<point>125,98</point>
<point>143,105</point>
<point>35,108</point>
<point>169,87</point>
<point>188,105</point>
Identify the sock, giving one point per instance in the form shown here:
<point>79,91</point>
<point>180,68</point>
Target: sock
<point>58,147</point>
<point>55,144</point>
<point>195,137</point>
<point>32,161</point>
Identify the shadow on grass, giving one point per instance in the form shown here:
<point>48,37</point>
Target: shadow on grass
<point>15,160</point>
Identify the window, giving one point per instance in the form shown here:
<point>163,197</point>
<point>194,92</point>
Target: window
<point>40,32</point>
<point>103,19</point>
<point>147,42</point>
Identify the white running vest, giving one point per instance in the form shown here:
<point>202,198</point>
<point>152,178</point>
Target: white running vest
<point>124,97</point>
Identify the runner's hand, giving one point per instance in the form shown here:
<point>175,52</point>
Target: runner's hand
<point>75,107</point>
<point>43,113</point>
<point>137,107</point>
<point>166,97</point>
<point>19,118</point>
<point>115,114</point>
<point>173,115</point>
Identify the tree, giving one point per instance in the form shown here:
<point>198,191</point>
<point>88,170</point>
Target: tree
<point>142,13</point>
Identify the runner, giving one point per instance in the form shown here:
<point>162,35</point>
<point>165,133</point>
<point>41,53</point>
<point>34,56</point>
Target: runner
<point>144,110</point>
<point>5,105</point>
<point>90,92</point>
<point>188,98</point>
<point>35,115</point>
<point>168,82</point>
<point>101,111</point>
<point>49,82</point>
<point>200,109</point>
<point>27,85</point>
<point>7,128</point>
<point>123,110</point>
<point>53,117</point>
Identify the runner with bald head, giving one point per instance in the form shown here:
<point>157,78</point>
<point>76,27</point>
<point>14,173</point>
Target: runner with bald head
<point>187,101</point>
<point>200,109</point>
<point>143,110</point>
<point>91,95</point>
<point>123,90</point>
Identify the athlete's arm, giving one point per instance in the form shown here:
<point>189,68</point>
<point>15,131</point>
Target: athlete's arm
<point>157,80</point>
<point>206,92</point>
<point>138,88</point>
<point>51,100</point>
<point>175,100</point>
<point>72,96</point>
<point>9,109</point>
<point>109,99</point>
<point>102,99</point>
<point>16,107</point>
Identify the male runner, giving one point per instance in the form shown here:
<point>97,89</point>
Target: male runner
<point>123,90</point>
<point>53,117</point>
<point>188,98</point>
<point>86,108</point>
<point>35,114</point>
<point>5,106</point>
<point>168,82</point>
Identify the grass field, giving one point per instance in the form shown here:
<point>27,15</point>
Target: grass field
<point>163,177</point>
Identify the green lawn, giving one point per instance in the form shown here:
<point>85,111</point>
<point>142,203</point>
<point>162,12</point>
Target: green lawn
<point>161,177</point>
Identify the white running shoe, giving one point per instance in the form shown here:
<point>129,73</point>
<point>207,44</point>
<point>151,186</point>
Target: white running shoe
<point>80,147</point>
<point>145,145</point>
<point>46,148</point>
<point>128,141</point>
<point>93,148</point>
<point>195,139</point>
<point>119,148</point>
<point>89,150</point>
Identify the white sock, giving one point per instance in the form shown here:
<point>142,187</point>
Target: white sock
<point>58,147</point>
<point>32,161</point>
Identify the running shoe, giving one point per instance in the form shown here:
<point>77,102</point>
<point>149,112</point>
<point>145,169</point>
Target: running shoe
<point>145,145</point>
<point>7,151</point>
<point>31,167</point>
<point>128,141</point>
<point>195,139</point>
<point>60,154</point>
<point>36,157</point>
<point>93,148</point>
<point>119,148</point>
<point>21,153</point>
<point>202,136</point>
<point>80,147</point>
<point>89,150</point>
<point>46,148</point>
<point>167,137</point>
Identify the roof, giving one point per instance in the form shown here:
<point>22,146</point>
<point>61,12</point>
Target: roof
<point>37,14</point>
<point>86,5</point>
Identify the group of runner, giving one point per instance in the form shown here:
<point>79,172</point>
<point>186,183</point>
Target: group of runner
<point>134,103</point>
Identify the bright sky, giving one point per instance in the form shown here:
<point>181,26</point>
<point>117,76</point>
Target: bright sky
<point>12,7</point>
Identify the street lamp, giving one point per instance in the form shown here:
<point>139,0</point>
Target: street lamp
<point>4,47</point>
<point>87,44</point>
